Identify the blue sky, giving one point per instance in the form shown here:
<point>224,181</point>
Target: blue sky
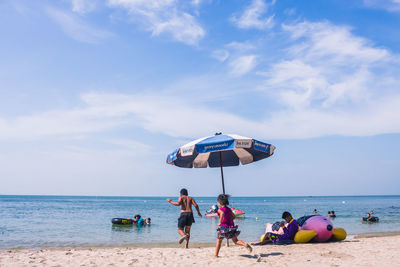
<point>94,95</point>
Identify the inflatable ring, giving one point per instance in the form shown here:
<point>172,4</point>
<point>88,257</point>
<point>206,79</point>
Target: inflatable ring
<point>122,221</point>
<point>371,219</point>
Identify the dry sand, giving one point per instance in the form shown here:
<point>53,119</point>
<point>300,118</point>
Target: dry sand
<point>372,251</point>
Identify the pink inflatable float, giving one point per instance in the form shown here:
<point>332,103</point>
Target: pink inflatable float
<point>313,228</point>
<point>321,225</point>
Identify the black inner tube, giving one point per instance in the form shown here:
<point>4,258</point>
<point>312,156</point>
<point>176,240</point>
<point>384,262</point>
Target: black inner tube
<point>371,219</point>
<point>122,221</point>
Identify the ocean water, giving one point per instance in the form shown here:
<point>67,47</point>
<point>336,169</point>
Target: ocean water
<point>56,221</point>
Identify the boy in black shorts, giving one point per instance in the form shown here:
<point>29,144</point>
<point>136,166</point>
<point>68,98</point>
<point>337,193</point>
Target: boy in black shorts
<point>186,219</point>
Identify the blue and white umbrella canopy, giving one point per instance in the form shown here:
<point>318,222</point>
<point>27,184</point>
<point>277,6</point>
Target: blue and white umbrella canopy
<point>220,150</point>
<point>207,151</point>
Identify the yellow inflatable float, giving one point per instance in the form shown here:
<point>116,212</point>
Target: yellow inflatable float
<point>339,234</point>
<point>304,236</point>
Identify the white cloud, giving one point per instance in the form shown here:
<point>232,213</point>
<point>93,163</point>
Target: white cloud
<point>327,66</point>
<point>332,42</point>
<point>108,111</point>
<point>333,82</point>
<point>290,11</point>
<point>240,46</point>
<point>294,81</point>
<point>77,28</point>
<point>389,5</point>
<point>163,16</point>
<point>197,2</point>
<point>83,6</point>
<point>21,8</point>
<point>131,145</point>
<point>243,64</point>
<point>170,116</point>
<point>237,51</point>
<point>183,28</point>
<point>220,54</point>
<point>316,88</point>
<point>55,123</point>
<point>375,117</point>
<point>252,16</point>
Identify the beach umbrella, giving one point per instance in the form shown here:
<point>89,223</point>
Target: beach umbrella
<point>218,151</point>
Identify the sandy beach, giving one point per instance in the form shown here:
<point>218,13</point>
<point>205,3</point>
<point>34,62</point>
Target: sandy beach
<point>357,251</point>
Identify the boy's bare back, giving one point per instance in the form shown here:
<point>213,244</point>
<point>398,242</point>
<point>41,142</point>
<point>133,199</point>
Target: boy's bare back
<point>186,203</point>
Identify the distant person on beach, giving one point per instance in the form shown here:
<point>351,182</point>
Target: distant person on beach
<point>331,214</point>
<point>186,219</point>
<point>289,231</point>
<point>372,212</point>
<point>315,211</point>
<point>226,227</point>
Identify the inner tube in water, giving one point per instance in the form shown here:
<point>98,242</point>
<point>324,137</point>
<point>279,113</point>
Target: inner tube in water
<point>122,221</point>
<point>371,219</point>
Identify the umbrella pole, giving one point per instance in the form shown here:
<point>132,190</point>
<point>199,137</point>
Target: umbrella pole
<point>222,172</point>
<point>223,184</point>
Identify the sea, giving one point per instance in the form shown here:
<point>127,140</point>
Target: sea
<point>85,221</point>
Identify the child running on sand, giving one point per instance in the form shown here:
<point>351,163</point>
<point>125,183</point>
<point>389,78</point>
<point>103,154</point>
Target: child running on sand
<point>186,219</point>
<point>227,229</point>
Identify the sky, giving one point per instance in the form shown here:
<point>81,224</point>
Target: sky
<point>95,94</point>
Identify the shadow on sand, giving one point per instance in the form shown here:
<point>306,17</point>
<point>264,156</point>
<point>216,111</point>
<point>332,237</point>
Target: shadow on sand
<point>262,255</point>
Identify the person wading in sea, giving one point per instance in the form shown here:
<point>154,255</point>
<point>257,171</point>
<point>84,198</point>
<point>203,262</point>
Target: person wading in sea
<point>186,219</point>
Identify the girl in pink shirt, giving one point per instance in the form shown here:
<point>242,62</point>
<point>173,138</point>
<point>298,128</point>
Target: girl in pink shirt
<point>227,229</point>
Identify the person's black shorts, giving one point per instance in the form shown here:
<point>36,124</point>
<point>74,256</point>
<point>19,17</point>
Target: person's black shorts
<point>186,219</point>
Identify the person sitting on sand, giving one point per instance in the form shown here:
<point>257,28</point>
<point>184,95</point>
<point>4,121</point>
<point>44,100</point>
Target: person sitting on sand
<point>371,212</point>
<point>186,219</point>
<point>315,211</point>
<point>227,228</point>
<point>289,231</point>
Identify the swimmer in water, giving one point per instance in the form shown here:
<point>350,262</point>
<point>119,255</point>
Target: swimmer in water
<point>367,217</point>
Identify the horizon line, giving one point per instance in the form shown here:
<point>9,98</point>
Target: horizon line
<point>308,196</point>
